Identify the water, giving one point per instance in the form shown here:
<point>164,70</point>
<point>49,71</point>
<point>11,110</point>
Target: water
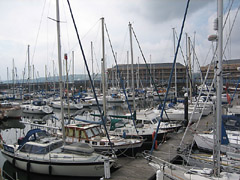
<point>12,129</point>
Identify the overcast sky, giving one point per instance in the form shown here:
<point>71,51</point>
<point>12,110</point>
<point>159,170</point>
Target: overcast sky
<point>26,22</point>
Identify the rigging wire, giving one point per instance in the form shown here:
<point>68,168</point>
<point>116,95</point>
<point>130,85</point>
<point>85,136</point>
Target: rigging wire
<point>93,88</point>
<point>35,45</point>
<point>170,78</point>
<point>234,20</point>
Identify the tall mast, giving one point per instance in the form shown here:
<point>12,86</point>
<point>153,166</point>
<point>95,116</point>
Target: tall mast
<point>46,79</point>
<point>150,80</point>
<point>174,50</point>
<point>219,86</point>
<point>66,58</point>
<point>103,72</point>
<point>8,77</point>
<point>29,74</point>
<point>13,74</point>
<point>127,69</point>
<point>54,87</point>
<point>131,49</point>
<point>138,74</point>
<point>187,63</point>
<point>73,70</point>
<point>60,67</point>
<point>92,61</point>
<point>33,78</point>
<point>190,70</point>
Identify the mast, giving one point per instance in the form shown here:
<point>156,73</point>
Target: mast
<point>13,74</point>
<point>138,78</point>
<point>60,67</point>
<point>131,49</point>
<point>92,61</point>
<point>7,77</point>
<point>103,71</point>
<point>190,70</point>
<point>46,79</point>
<point>219,87</point>
<point>127,69</point>
<point>174,50</point>
<point>73,71</point>
<point>187,63</point>
<point>54,87</point>
<point>33,78</point>
<point>150,80</point>
<point>29,75</point>
<point>65,57</point>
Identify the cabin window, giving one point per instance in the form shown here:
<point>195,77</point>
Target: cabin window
<point>77,133</point>
<point>26,148</point>
<point>70,132</point>
<point>83,135</point>
<point>100,130</point>
<point>154,121</point>
<point>89,133</point>
<point>126,131</point>
<point>147,122</point>
<point>39,150</point>
<point>34,149</point>
<point>138,121</point>
<point>117,130</point>
<point>56,145</point>
<point>95,131</point>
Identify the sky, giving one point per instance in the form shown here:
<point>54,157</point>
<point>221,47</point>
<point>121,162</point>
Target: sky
<point>31,22</point>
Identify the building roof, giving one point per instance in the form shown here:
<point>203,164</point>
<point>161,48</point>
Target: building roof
<point>156,65</point>
<point>232,61</point>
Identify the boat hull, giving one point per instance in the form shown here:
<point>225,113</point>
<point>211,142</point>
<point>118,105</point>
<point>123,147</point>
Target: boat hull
<point>57,168</point>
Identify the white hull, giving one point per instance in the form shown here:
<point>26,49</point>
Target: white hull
<point>205,142</point>
<point>36,109</point>
<point>178,115</point>
<point>71,167</point>
<point>57,105</point>
<point>14,113</point>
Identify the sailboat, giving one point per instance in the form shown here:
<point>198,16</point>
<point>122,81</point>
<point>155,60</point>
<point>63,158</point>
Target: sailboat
<point>38,152</point>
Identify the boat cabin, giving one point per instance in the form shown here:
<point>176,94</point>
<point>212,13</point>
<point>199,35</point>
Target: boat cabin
<point>43,148</point>
<point>39,103</point>
<point>85,133</point>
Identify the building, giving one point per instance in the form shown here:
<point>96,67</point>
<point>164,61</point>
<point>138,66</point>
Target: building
<point>160,73</point>
<point>231,72</point>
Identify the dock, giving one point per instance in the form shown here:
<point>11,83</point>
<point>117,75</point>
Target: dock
<point>138,167</point>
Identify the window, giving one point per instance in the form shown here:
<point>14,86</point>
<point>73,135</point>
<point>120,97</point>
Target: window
<point>138,121</point>
<point>39,150</point>
<point>56,145</point>
<point>126,131</point>
<point>70,132</point>
<point>26,148</point>
<point>154,121</point>
<point>147,122</point>
<point>89,133</point>
<point>83,135</point>
<point>77,133</point>
<point>95,131</point>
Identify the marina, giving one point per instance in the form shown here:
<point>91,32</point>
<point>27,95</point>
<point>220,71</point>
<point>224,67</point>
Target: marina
<point>154,120</point>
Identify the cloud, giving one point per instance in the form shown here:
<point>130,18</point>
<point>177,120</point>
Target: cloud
<point>152,21</point>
